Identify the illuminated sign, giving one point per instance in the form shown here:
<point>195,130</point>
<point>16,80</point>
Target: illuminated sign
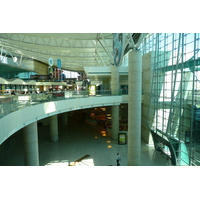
<point>50,62</point>
<point>122,138</point>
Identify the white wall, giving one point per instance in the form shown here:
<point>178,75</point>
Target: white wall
<point>21,118</point>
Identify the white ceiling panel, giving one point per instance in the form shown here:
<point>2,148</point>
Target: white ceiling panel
<point>76,50</point>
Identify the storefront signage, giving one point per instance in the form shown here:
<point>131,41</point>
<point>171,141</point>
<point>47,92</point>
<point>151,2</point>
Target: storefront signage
<point>50,62</point>
<point>59,63</point>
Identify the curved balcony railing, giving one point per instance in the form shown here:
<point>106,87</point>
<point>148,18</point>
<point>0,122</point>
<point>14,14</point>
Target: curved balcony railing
<point>11,103</point>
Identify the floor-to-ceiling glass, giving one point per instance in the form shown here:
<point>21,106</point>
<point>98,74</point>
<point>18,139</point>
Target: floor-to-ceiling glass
<point>174,109</point>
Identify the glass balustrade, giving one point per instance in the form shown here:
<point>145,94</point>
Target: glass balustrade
<point>11,103</point>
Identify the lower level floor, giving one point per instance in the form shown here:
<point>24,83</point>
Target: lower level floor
<point>79,144</point>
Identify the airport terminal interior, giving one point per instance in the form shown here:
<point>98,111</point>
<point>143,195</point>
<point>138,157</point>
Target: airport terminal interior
<point>78,99</point>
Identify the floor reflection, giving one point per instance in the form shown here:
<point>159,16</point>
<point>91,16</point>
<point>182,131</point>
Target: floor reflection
<point>74,142</point>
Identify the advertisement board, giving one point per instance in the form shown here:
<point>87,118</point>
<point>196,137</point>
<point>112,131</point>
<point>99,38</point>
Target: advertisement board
<point>92,90</point>
<point>122,138</point>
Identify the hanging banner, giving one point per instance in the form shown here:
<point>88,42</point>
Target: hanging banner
<point>59,69</point>
<point>50,67</point>
<point>118,48</point>
<point>59,63</point>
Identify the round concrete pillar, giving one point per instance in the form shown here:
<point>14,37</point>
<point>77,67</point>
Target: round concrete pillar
<point>115,109</point>
<point>64,119</point>
<point>30,138</point>
<point>54,128</point>
<point>115,122</point>
<point>115,79</point>
<point>106,83</point>
<point>134,108</point>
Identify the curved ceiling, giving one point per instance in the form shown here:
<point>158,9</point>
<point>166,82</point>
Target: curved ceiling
<point>75,50</point>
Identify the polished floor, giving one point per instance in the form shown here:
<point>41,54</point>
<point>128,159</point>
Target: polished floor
<point>79,144</point>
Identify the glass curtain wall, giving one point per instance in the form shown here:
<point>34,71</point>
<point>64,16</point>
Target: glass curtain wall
<point>174,109</point>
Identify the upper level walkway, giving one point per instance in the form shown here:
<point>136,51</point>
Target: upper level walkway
<point>19,111</point>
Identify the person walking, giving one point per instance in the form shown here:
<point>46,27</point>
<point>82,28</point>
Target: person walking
<point>118,158</point>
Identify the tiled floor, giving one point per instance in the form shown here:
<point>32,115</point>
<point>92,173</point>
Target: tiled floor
<point>76,141</point>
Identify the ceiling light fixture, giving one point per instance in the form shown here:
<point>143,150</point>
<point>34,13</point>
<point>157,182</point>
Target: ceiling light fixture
<point>14,59</point>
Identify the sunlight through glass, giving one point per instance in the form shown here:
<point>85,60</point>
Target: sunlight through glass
<point>86,162</point>
<point>49,107</point>
<point>58,163</point>
<point>65,163</point>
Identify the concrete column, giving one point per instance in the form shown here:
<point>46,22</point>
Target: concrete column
<point>30,137</point>
<point>3,154</point>
<point>147,111</point>
<point>114,79</point>
<point>115,122</point>
<point>115,109</point>
<point>54,128</point>
<point>134,108</point>
<point>106,84</point>
<point>64,119</point>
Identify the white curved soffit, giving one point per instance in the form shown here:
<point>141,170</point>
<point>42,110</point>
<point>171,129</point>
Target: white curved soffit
<point>21,118</point>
